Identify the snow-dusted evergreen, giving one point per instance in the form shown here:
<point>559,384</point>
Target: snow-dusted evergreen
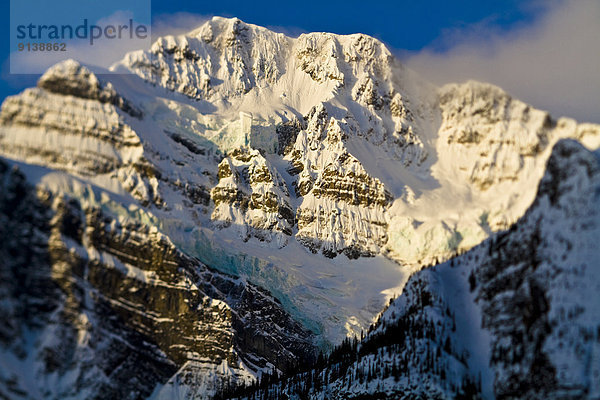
<point>317,168</point>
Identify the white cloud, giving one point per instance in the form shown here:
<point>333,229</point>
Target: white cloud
<point>553,63</point>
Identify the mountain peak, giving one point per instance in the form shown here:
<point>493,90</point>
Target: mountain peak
<point>230,28</point>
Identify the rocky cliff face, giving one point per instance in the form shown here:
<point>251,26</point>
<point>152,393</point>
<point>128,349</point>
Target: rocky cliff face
<point>343,207</point>
<point>107,308</point>
<point>252,195</point>
<point>70,122</point>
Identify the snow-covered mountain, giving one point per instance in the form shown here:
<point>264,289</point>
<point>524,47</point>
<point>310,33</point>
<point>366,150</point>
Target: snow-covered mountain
<point>316,168</point>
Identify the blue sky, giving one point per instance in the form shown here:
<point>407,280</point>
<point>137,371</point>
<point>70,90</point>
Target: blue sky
<point>423,34</point>
<point>407,25</point>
